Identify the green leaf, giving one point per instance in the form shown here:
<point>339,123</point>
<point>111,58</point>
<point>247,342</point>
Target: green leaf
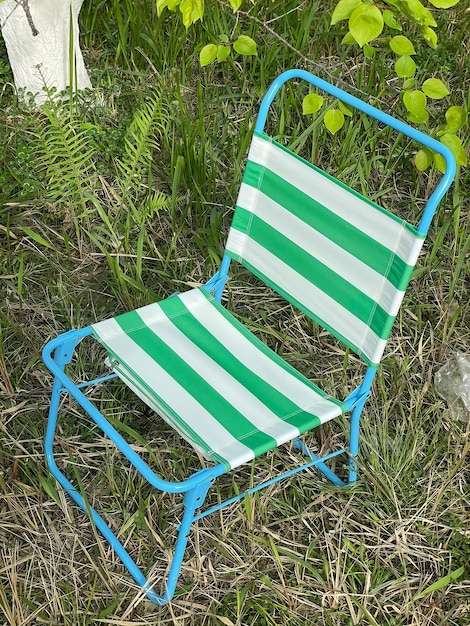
<point>418,118</point>
<point>416,12</point>
<point>424,159</point>
<point>343,10</point>
<point>429,37</point>
<point>223,52</point>
<point>192,11</point>
<point>208,54</point>
<point>366,23</point>
<point>235,4</point>
<point>451,140</point>
<point>348,39</point>
<point>443,4</point>
<point>109,609</point>
<point>415,101</point>
<point>391,20</point>
<point>452,577</point>
<point>312,103</point>
<point>428,19</point>
<point>456,118</point>
<point>435,89</point>
<point>369,51</point>
<point>345,108</point>
<point>37,238</point>
<point>405,67</point>
<point>401,45</point>
<point>334,120</point>
<point>454,144</point>
<point>409,83</point>
<point>166,4</point>
<point>245,45</point>
<point>440,162</point>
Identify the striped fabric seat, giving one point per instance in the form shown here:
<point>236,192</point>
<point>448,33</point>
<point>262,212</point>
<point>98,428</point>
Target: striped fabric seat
<point>211,379</point>
<point>340,258</point>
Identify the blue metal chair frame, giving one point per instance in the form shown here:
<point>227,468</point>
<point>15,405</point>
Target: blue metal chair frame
<point>58,353</point>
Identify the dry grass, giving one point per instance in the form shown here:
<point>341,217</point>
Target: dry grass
<point>387,552</point>
<point>295,554</point>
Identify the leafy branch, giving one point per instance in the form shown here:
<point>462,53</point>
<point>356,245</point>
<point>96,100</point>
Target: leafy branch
<point>375,26</point>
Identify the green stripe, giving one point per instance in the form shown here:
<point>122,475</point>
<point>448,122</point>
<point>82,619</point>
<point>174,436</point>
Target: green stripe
<point>325,221</point>
<point>332,284</point>
<point>221,410</point>
<point>279,404</point>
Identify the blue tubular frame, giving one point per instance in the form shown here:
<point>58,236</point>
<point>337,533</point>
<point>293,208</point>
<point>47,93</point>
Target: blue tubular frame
<point>58,353</point>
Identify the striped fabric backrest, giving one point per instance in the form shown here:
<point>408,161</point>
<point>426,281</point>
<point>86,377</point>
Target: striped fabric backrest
<point>335,254</point>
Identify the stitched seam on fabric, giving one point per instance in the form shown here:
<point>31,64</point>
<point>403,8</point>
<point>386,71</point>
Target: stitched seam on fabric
<point>260,181</point>
<point>391,260</point>
<point>283,418</point>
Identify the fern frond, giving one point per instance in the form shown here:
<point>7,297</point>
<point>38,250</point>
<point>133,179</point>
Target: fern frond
<point>65,155</point>
<point>140,142</point>
<point>155,202</point>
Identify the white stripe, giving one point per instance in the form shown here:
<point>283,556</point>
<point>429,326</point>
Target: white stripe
<point>262,418</point>
<point>303,395</point>
<point>325,307</point>
<point>342,262</point>
<point>171,392</point>
<point>368,219</point>
<point>236,242</point>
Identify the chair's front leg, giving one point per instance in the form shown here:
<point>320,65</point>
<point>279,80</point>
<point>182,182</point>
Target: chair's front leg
<point>193,500</point>
<point>62,356</point>
<point>193,497</point>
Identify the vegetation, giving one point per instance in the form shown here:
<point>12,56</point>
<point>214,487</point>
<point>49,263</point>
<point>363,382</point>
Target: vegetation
<point>124,197</point>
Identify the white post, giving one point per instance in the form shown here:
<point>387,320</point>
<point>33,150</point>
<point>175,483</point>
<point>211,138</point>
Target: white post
<point>39,49</point>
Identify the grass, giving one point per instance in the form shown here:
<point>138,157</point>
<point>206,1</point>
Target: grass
<point>81,242</point>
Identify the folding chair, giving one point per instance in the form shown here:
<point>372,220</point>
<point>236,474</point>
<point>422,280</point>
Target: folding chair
<point>338,257</point>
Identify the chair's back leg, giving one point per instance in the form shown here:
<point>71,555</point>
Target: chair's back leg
<point>319,465</point>
<point>354,427</point>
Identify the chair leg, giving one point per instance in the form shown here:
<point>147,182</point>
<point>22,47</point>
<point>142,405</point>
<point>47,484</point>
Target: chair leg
<point>193,499</point>
<point>360,396</point>
<point>354,428</point>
